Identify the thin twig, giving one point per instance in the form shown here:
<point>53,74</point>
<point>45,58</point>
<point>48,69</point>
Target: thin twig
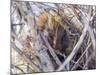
<point>76,63</point>
<point>89,58</point>
<point>17,67</point>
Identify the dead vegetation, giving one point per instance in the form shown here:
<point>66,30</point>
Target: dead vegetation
<point>49,37</point>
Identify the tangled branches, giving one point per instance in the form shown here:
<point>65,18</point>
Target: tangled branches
<point>48,37</point>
